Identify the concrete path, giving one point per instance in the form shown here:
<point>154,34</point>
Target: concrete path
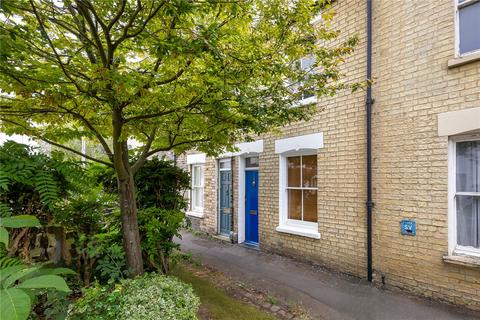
<point>326,296</point>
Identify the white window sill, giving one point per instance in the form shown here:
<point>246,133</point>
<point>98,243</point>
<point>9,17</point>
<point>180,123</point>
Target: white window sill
<point>306,102</point>
<point>195,214</point>
<point>463,260</point>
<point>299,231</point>
<point>460,61</point>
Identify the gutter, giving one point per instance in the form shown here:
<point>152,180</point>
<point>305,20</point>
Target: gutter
<point>369,103</point>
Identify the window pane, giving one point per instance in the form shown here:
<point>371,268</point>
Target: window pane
<point>469,25</point>
<point>310,205</point>
<point>468,212</point>
<point>309,173</point>
<point>225,164</point>
<point>197,197</point>
<point>307,94</point>
<point>468,162</point>
<point>251,162</point>
<point>197,176</point>
<point>293,164</point>
<point>307,63</point>
<point>295,204</point>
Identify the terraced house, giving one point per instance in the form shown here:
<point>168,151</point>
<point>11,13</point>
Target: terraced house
<point>383,184</point>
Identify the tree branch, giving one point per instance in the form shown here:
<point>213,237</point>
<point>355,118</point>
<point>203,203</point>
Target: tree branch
<point>93,31</point>
<point>87,123</point>
<point>42,27</point>
<point>171,146</point>
<point>143,157</point>
<point>192,103</point>
<point>39,136</point>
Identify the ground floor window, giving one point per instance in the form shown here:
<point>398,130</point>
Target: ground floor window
<point>302,188</point>
<point>298,190</point>
<point>464,195</point>
<point>467,194</point>
<point>196,195</point>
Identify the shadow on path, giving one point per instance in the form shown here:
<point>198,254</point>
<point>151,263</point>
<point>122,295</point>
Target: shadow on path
<point>326,296</point>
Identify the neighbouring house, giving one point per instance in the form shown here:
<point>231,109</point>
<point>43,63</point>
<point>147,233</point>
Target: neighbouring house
<point>305,192</point>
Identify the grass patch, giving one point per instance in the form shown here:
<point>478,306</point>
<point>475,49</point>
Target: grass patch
<point>215,303</point>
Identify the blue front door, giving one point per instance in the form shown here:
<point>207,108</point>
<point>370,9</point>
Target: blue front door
<point>251,207</point>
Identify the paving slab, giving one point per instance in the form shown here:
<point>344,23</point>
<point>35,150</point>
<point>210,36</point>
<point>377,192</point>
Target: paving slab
<point>325,295</point>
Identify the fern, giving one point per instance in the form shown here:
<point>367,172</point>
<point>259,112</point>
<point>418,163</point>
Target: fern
<point>47,187</point>
<point>4,180</point>
<point>5,210</point>
<point>6,262</point>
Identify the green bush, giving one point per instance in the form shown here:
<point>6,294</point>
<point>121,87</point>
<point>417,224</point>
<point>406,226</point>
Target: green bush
<point>161,204</point>
<point>152,296</point>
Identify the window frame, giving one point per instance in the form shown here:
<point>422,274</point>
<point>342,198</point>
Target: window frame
<point>458,6</point>
<point>301,188</point>
<point>299,227</point>
<point>194,208</point>
<point>453,247</point>
<point>309,100</point>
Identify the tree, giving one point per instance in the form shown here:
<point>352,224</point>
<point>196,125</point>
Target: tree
<point>171,74</point>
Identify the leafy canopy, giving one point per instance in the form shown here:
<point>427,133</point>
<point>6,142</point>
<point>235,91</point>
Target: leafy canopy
<point>172,74</point>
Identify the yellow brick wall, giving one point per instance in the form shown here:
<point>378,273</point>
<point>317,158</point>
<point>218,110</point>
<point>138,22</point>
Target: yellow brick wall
<point>341,168</point>
<point>412,43</point>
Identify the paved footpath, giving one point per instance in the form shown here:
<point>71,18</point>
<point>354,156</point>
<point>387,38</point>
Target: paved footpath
<point>326,296</point>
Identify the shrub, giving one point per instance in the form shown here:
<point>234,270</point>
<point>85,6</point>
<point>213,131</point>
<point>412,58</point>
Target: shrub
<point>160,185</point>
<point>152,296</point>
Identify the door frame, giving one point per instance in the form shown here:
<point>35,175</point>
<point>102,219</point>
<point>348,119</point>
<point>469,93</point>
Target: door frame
<point>218,187</point>
<point>241,193</point>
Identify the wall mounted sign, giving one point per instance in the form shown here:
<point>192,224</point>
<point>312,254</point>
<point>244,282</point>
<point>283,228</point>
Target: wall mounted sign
<point>408,227</point>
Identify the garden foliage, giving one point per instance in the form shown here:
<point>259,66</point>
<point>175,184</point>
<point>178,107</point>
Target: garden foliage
<point>149,297</point>
<point>20,284</point>
<point>172,75</point>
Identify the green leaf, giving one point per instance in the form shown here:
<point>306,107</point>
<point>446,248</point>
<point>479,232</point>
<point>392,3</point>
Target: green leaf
<point>21,221</point>
<point>46,281</point>
<point>15,304</point>
<point>18,275</point>
<point>4,236</point>
<point>53,271</point>
<point>6,272</point>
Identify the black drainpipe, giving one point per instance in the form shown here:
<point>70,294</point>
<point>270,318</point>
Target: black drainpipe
<point>369,103</point>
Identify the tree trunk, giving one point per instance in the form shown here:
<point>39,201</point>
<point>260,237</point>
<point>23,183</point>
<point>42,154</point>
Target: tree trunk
<point>131,235</point>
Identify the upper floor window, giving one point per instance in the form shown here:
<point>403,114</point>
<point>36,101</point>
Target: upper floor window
<point>468,26</point>
<point>466,196</point>
<point>196,196</point>
<point>307,65</point>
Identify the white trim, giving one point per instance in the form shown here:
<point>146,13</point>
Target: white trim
<point>453,247</point>
<point>198,210</point>
<point>306,101</point>
<point>296,227</point>
<point>241,200</point>
<point>197,158</point>
<point>307,142</point>
<point>195,214</point>
<point>457,5</point>
<point>467,251</point>
<point>304,232</point>
<point>245,148</point>
<point>457,122</point>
